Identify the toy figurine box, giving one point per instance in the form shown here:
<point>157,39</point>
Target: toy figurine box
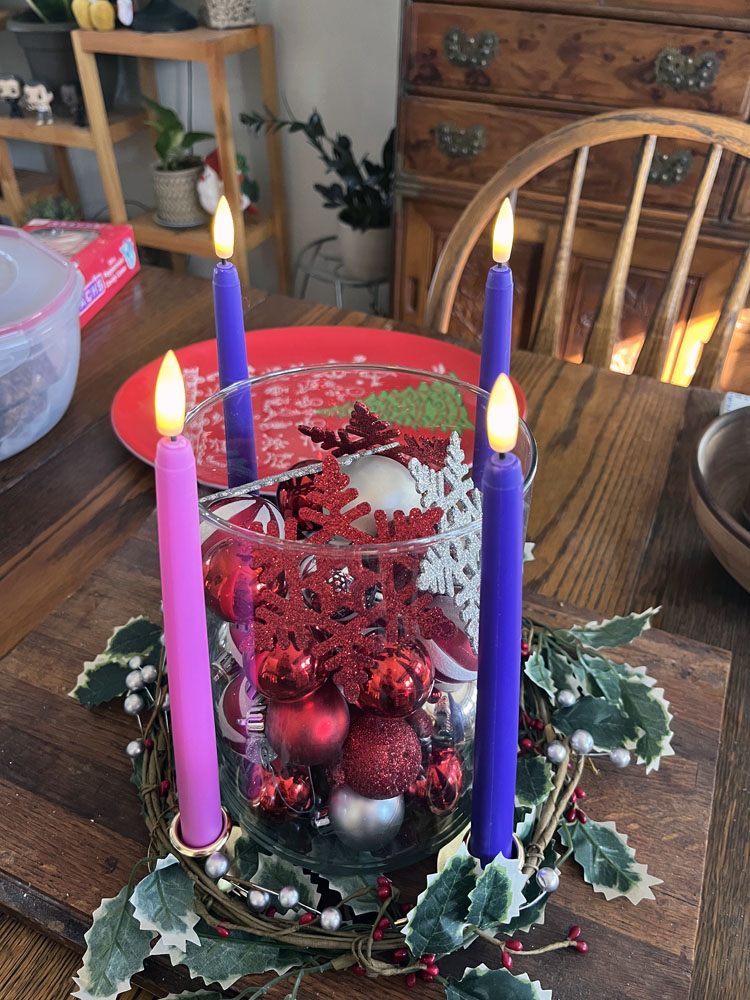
<point>105,254</point>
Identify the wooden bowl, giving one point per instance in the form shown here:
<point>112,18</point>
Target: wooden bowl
<point>719,488</point>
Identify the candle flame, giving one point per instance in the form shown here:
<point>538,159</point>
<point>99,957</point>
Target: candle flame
<point>223,230</point>
<point>169,398</point>
<point>502,416</point>
<point>502,236</point>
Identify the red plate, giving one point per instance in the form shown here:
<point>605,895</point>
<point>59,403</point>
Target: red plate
<point>276,349</point>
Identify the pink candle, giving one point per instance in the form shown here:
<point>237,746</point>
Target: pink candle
<point>189,669</point>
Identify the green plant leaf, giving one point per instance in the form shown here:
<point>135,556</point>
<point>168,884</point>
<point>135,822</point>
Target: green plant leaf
<point>345,885</point>
<point>482,983</point>
<point>538,672</point>
<point>608,864</point>
<point>533,780</point>
<point>612,631</point>
<point>566,673</point>
<point>649,711</point>
<point>163,903</point>
<point>498,894</point>
<point>274,873</point>
<point>190,138</point>
<point>116,948</point>
<point>225,960</point>
<point>609,726</point>
<point>604,677</point>
<point>437,924</point>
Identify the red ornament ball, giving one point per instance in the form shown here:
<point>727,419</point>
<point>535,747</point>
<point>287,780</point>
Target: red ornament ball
<point>444,780</point>
<point>235,705</point>
<point>311,730</point>
<point>381,757</point>
<point>277,790</point>
<point>230,577</point>
<point>399,680</point>
<point>253,513</point>
<point>287,674</point>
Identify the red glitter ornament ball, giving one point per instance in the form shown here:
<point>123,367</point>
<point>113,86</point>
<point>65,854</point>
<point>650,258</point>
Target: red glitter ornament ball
<point>381,757</point>
<point>311,730</point>
<point>287,674</point>
<point>277,790</point>
<point>399,680</point>
<point>230,577</point>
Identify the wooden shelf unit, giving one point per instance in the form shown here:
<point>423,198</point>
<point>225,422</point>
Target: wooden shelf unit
<point>121,125</point>
<point>198,240</point>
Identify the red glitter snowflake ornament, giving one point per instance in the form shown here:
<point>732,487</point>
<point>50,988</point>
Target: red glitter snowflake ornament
<point>364,431</point>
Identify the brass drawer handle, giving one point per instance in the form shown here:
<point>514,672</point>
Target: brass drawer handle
<point>460,143</point>
<point>678,71</point>
<point>668,169</point>
<point>470,51</point>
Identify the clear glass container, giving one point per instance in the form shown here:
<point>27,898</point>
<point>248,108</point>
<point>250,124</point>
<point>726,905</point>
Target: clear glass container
<point>343,678</point>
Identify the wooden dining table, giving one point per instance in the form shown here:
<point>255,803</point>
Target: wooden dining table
<point>613,531</point>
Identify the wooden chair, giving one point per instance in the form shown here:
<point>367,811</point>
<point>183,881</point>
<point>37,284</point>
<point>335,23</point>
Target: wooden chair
<point>717,132</point>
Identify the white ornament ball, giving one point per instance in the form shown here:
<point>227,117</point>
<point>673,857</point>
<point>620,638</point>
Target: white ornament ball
<point>566,698</point>
<point>217,865</point>
<point>134,704</point>
<point>365,824</point>
<point>242,511</point>
<point>134,662</point>
<point>556,752</point>
<point>258,900</point>
<point>620,757</point>
<point>134,749</point>
<point>288,897</point>
<point>149,673</point>
<point>582,741</point>
<point>134,680</point>
<point>548,879</point>
<point>385,484</point>
<point>330,919</point>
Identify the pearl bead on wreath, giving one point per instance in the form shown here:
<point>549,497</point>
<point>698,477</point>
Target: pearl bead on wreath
<point>548,879</point>
<point>620,757</point>
<point>582,741</point>
<point>258,899</point>
<point>134,680</point>
<point>134,749</point>
<point>288,897</point>
<point>556,752</point>
<point>330,919</point>
<point>134,704</point>
<point>566,698</point>
<point>134,662</point>
<point>217,865</point>
<point>149,673</point>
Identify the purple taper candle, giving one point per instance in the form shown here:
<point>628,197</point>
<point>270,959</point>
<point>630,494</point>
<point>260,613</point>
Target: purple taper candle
<point>499,663</point>
<point>242,465</point>
<point>185,638</point>
<point>496,330</point>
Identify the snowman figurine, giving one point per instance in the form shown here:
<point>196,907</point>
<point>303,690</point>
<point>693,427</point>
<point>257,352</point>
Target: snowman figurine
<point>38,97</point>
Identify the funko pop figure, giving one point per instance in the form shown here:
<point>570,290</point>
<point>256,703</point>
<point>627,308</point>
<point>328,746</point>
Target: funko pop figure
<point>11,90</point>
<point>38,97</point>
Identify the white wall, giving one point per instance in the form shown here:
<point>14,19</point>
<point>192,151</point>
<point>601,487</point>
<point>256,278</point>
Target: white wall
<point>337,55</point>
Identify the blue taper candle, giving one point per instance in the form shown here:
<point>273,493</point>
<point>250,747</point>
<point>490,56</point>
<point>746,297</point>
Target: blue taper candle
<point>242,465</point>
<point>499,664</point>
<point>496,330</point>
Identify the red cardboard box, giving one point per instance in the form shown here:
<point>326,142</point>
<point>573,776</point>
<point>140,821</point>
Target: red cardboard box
<point>105,254</point>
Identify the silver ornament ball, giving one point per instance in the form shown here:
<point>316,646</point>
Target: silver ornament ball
<point>258,900</point>
<point>134,680</point>
<point>330,919</point>
<point>365,824</point>
<point>288,897</point>
<point>566,698</point>
<point>149,673</point>
<point>556,752</point>
<point>548,879</point>
<point>582,741</point>
<point>217,865</point>
<point>620,757</point>
<point>134,748</point>
<point>133,704</point>
<point>165,700</point>
<point>134,662</point>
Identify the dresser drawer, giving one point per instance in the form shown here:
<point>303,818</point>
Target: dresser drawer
<point>462,144</point>
<point>597,61</point>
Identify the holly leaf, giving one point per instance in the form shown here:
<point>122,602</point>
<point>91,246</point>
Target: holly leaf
<point>274,873</point>
<point>649,711</point>
<point>563,669</point>
<point>437,924</point>
<point>528,551</point>
<point>200,995</point>
<point>523,818</point>
<point>615,631</point>
<point>533,780</point>
<point>498,895</point>
<point>163,903</point>
<point>225,960</point>
<point>115,950</point>
<point>608,864</point>
<point>536,901</point>
<point>604,677</point>
<point>538,672</point>
<point>246,858</point>
<point>345,885</point>
<point>138,637</point>
<point>100,680</point>
<point>482,983</point>
<point>607,723</point>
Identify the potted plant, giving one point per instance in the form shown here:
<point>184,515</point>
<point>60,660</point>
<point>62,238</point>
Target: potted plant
<point>43,32</point>
<point>177,170</point>
<point>363,198</point>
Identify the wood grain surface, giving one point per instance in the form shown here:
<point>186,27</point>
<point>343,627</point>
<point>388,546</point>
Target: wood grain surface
<point>613,529</point>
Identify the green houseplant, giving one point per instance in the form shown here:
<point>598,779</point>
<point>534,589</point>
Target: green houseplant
<point>177,170</point>
<point>362,195</point>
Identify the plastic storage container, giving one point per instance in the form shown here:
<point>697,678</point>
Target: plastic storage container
<point>40,338</point>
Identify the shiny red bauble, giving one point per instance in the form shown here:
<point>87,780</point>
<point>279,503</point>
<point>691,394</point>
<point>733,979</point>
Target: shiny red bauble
<point>399,680</point>
<point>381,757</point>
<point>287,674</point>
<point>253,513</point>
<point>276,790</point>
<point>311,730</point>
<point>230,577</point>
<point>439,787</point>
<point>235,704</point>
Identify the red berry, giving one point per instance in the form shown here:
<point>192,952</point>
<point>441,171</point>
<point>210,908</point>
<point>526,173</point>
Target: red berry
<point>358,970</point>
<point>377,935</point>
<point>271,912</point>
<point>580,794</point>
<point>507,960</point>
<point>581,816</point>
<point>222,931</point>
<point>582,947</point>
<point>410,979</point>
<point>514,945</point>
<point>382,880</point>
<point>305,918</point>
<point>432,970</point>
<point>527,744</point>
<point>383,924</point>
<point>574,933</point>
<point>526,718</point>
<point>400,955</point>
<point>164,787</point>
<point>405,908</point>
<point>427,978</point>
<point>427,959</point>
<point>148,743</point>
<point>570,816</point>
<point>570,766</point>
<point>537,724</point>
<point>384,893</point>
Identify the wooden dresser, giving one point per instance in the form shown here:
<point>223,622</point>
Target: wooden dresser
<point>482,79</point>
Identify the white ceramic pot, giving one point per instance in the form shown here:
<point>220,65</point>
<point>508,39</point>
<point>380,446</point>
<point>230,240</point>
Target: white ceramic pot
<point>365,252</point>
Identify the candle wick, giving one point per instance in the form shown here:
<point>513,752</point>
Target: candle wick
<point>172,437</point>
